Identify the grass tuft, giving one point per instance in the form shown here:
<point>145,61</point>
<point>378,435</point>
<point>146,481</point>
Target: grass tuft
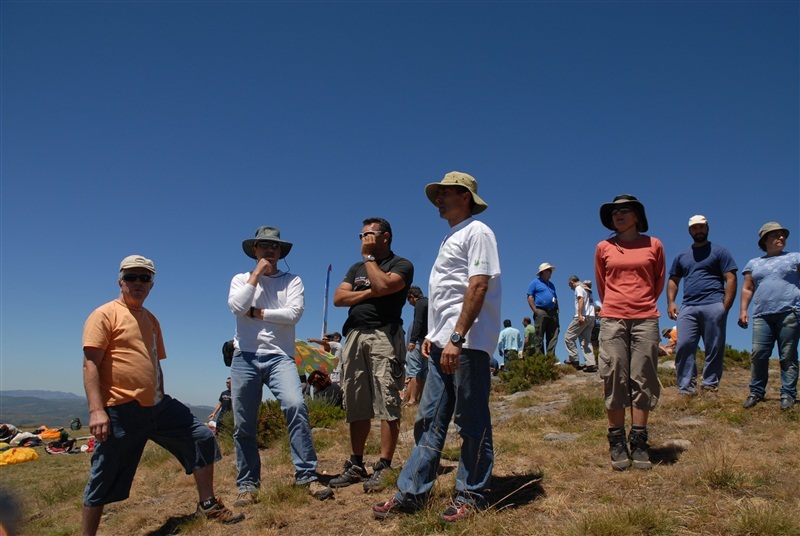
<point>755,518</point>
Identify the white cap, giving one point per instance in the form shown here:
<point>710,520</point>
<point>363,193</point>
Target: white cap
<point>697,220</point>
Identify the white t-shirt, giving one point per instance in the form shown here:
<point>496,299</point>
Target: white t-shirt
<point>588,304</point>
<point>469,249</point>
<point>282,297</point>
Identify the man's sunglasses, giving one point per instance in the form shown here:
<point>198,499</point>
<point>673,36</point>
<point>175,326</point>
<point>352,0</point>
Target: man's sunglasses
<point>367,233</point>
<point>623,210</point>
<point>268,245</point>
<point>144,278</point>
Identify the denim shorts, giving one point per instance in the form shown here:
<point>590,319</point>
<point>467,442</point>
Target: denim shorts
<point>169,424</point>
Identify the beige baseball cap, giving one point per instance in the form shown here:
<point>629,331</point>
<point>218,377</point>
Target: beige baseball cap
<point>137,261</point>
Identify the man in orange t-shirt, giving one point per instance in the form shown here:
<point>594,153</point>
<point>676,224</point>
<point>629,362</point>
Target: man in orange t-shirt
<point>122,347</point>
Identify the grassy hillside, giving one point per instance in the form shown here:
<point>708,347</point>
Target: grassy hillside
<point>722,470</point>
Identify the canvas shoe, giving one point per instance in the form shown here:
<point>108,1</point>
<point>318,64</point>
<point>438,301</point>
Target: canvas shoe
<point>375,482</point>
<point>391,507</point>
<point>352,474</point>
<point>218,512</point>
<point>458,511</point>
<point>246,498</point>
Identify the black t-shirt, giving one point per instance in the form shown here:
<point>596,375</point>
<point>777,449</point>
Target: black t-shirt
<point>227,406</point>
<point>377,312</point>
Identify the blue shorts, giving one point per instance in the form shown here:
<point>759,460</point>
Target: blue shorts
<point>169,424</point>
<point>416,364</point>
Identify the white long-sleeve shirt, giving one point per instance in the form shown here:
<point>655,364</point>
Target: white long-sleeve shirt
<point>282,297</point>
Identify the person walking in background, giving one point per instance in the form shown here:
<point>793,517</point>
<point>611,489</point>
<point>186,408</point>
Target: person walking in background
<point>630,274</point>
<point>772,283</point>
<point>465,291</point>
<point>375,290</point>
<point>416,364</point>
<point>709,288</point>
<point>123,348</point>
<point>528,333</point>
<point>543,301</point>
<point>580,329</point>
<point>509,340</point>
<point>268,303</point>
<point>222,408</point>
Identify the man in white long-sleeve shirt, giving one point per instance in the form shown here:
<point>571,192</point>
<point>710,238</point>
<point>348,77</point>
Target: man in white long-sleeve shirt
<point>268,303</point>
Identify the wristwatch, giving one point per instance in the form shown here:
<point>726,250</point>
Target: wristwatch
<point>369,258</point>
<point>456,338</point>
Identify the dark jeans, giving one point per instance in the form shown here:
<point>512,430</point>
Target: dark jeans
<point>545,322</point>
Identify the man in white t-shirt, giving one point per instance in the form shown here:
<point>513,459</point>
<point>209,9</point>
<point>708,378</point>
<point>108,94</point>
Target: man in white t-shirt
<point>581,327</point>
<point>463,326</point>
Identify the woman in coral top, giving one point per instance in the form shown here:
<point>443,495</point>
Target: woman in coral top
<point>630,272</point>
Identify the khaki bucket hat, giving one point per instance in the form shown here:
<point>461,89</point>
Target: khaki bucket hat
<point>456,178</point>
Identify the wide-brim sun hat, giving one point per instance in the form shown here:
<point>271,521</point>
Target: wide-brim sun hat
<point>623,200</point>
<point>768,228</point>
<point>666,332</point>
<point>457,178</point>
<point>545,266</point>
<point>266,233</point>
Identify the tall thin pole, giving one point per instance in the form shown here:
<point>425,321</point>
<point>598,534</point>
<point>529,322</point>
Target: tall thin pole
<point>325,304</point>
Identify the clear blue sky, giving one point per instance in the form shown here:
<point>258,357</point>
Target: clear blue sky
<point>175,129</point>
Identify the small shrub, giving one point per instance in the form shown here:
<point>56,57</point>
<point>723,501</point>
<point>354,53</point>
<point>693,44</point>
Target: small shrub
<point>271,423</point>
<point>585,408</point>
<point>719,471</point>
<point>736,358</point>
<point>615,521</point>
<point>533,369</point>
<point>322,414</point>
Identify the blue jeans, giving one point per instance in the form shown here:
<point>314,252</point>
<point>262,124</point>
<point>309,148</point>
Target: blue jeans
<point>463,396</point>
<point>249,372</point>
<point>695,321</point>
<point>783,329</point>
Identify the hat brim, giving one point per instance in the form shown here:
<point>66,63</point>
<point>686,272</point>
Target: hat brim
<point>247,247</point>
<point>763,239</point>
<point>432,189</point>
<point>608,221</point>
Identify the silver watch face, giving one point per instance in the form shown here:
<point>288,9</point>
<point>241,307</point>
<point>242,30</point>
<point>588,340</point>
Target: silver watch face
<point>455,338</point>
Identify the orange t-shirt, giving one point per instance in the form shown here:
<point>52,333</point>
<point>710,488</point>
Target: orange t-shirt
<point>630,277</point>
<point>133,345</point>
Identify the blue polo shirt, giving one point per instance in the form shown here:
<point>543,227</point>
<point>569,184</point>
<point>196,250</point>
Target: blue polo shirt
<point>544,294</point>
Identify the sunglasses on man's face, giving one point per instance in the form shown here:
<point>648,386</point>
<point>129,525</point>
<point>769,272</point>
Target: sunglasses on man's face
<point>268,245</point>
<point>144,278</point>
<point>367,233</point>
<point>623,210</point>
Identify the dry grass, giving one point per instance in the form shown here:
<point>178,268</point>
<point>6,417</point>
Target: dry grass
<point>722,470</point>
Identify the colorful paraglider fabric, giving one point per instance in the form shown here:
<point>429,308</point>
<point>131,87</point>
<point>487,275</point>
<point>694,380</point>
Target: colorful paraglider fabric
<point>310,357</point>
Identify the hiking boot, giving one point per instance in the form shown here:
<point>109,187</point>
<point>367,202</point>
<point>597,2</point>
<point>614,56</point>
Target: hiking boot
<point>352,474</point>
<point>458,511</point>
<point>752,400</point>
<point>618,447</point>
<point>639,446</point>
<point>375,482</point>
<point>390,507</point>
<point>218,512</point>
<point>319,491</point>
<point>246,498</point>
<point>786,402</point>
<point>590,368</point>
<point>709,388</point>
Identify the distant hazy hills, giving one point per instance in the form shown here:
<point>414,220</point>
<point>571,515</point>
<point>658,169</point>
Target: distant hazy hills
<point>31,408</point>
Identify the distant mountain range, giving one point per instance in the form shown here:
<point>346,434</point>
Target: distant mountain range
<point>32,408</point>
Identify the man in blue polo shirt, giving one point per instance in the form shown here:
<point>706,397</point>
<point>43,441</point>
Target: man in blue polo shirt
<point>709,288</point>
<point>543,301</point>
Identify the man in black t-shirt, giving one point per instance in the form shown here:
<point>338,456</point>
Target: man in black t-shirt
<point>373,359</point>
<point>224,407</point>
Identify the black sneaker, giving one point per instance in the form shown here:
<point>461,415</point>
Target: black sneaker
<point>375,482</point>
<point>752,400</point>
<point>618,447</point>
<point>639,450</point>
<point>787,402</point>
<point>590,368</point>
<point>390,507</point>
<point>352,474</point>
